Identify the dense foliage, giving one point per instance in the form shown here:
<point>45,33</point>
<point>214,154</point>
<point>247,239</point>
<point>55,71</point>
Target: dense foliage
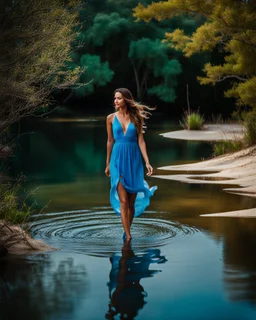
<point>129,54</point>
<point>230,27</point>
<point>35,44</point>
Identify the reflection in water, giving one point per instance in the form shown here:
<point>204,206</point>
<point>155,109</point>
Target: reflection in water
<point>240,285</point>
<point>239,249</point>
<point>125,291</point>
<point>40,288</point>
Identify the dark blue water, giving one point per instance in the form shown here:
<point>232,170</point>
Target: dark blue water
<point>178,266</point>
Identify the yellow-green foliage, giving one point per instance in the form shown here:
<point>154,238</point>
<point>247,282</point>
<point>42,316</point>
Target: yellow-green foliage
<point>192,121</point>
<point>222,147</point>
<point>12,208</point>
<point>250,128</point>
<point>248,120</point>
<point>229,24</point>
<point>35,46</point>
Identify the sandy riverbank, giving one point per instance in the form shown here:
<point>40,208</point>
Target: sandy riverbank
<point>237,170</point>
<point>210,132</point>
<point>17,241</point>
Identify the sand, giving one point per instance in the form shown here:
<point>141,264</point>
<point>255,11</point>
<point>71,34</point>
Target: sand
<point>237,170</point>
<point>17,241</point>
<point>210,132</point>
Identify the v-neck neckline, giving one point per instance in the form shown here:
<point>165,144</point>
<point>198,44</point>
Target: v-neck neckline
<point>124,133</point>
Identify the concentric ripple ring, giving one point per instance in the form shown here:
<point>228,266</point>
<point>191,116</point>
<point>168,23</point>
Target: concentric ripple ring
<point>99,231</point>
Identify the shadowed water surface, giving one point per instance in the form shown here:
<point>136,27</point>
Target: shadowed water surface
<point>178,265</point>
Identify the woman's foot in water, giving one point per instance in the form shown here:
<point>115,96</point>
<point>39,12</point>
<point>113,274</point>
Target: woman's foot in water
<point>126,238</point>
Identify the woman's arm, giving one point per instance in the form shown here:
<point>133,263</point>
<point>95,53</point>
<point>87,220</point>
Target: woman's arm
<point>110,142</point>
<point>143,149</point>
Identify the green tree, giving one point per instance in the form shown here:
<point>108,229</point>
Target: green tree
<point>109,31</point>
<point>106,25</point>
<point>230,26</point>
<point>149,58</point>
<point>35,43</point>
<point>95,74</point>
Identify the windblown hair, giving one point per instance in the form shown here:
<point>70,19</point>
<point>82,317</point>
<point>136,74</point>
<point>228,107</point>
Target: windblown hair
<point>137,112</point>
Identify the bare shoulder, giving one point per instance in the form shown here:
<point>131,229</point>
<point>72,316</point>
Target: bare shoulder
<point>110,117</point>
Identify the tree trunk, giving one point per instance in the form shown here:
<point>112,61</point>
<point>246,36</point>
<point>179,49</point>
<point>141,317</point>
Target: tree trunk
<point>137,80</point>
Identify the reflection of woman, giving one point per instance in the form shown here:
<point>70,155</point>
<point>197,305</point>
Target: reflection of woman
<point>129,194</point>
<point>128,296</point>
<point>126,293</point>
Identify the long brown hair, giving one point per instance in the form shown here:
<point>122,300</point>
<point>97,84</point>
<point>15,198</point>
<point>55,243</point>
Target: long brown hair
<point>137,112</point>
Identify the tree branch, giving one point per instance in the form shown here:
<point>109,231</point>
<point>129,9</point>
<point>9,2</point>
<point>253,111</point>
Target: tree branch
<point>231,76</point>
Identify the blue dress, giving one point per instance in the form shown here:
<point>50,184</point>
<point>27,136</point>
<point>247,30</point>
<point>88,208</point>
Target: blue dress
<point>126,166</point>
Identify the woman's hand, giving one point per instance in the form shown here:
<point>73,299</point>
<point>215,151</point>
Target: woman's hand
<point>107,170</point>
<point>149,168</point>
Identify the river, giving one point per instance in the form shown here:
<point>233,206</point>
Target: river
<point>178,266</point>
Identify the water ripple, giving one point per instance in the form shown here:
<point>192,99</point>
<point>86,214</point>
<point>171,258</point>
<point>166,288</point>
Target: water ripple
<point>98,231</point>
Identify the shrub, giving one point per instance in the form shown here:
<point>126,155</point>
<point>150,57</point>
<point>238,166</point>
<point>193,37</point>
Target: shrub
<point>249,121</point>
<point>12,208</point>
<point>222,147</point>
<point>192,121</point>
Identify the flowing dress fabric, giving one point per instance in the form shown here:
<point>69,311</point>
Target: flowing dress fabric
<point>126,166</point>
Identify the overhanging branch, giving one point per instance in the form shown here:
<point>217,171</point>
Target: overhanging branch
<point>231,76</point>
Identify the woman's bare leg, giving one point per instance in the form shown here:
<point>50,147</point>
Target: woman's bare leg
<point>131,200</point>
<point>123,197</point>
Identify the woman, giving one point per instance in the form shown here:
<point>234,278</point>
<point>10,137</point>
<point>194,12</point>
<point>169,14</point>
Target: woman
<point>130,193</point>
